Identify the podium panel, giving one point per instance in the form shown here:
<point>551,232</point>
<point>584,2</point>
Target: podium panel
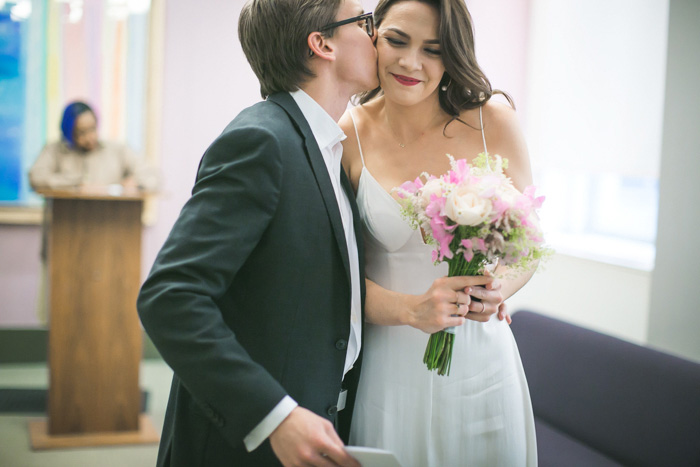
<point>94,332</point>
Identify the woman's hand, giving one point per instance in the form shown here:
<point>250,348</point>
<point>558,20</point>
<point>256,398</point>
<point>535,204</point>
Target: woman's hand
<point>447,303</point>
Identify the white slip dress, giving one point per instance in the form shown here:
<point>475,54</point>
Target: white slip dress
<point>479,415</point>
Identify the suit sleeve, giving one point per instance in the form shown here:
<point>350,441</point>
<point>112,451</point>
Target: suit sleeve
<point>233,201</point>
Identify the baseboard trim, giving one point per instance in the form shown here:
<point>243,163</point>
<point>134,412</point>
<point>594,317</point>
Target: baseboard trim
<point>30,346</point>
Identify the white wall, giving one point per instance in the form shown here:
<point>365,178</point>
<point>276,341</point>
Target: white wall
<point>607,298</point>
<point>674,321</point>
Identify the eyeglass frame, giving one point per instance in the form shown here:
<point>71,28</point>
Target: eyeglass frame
<point>368,17</point>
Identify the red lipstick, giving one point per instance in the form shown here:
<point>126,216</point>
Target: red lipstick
<point>406,80</point>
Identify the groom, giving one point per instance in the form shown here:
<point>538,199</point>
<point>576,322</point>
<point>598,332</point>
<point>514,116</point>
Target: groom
<point>255,299</point>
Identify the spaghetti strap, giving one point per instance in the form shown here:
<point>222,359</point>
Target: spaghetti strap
<point>359,145</point>
<point>483,136</point>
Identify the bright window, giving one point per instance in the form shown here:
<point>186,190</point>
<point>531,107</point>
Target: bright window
<point>594,124</point>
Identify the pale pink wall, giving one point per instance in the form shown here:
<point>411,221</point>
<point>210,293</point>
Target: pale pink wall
<point>501,36</point>
<point>207,82</point>
<point>20,268</point>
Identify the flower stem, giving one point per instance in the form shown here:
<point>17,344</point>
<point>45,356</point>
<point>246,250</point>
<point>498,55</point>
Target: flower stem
<point>438,352</point>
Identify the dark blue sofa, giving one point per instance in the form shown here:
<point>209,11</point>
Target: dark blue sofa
<point>602,401</point>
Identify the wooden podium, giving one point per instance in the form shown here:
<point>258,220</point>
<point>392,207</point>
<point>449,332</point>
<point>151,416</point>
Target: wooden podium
<point>95,339</point>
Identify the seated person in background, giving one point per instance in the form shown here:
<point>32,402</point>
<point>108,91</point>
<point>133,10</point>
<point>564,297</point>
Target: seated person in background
<point>80,159</point>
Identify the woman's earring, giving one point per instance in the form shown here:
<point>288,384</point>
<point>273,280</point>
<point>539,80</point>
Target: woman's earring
<point>444,87</point>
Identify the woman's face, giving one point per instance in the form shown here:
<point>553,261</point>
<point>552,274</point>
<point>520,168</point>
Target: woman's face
<point>409,63</point>
<point>85,131</point>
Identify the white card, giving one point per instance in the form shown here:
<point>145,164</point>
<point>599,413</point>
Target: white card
<point>373,457</point>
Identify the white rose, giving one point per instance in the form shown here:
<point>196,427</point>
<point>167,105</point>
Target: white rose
<point>465,207</point>
<point>431,187</point>
<point>508,193</point>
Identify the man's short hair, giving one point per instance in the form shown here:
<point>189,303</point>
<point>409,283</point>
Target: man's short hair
<point>273,34</point>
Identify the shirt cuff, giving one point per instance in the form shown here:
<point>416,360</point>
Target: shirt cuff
<point>270,423</point>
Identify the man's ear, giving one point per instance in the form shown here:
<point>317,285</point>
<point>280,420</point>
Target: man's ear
<point>320,46</point>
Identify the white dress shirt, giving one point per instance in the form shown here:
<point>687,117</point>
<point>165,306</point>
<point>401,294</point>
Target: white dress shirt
<point>328,135</point>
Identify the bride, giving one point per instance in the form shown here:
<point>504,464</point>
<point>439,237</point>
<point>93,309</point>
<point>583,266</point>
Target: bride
<point>434,100</point>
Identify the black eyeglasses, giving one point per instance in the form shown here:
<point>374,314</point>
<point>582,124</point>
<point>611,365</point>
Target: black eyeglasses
<point>365,18</point>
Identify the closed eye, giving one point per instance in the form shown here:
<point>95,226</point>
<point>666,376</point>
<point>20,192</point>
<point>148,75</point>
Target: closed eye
<point>394,42</point>
<point>433,52</point>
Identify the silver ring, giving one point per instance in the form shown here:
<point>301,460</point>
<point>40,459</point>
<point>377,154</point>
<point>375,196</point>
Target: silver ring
<point>483,307</point>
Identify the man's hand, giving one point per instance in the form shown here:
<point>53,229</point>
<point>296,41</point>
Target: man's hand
<point>488,301</point>
<point>503,313</point>
<point>304,438</point>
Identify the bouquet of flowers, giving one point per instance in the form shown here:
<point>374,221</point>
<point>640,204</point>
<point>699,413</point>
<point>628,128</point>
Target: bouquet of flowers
<point>476,218</point>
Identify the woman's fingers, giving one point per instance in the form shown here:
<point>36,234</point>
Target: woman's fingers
<point>462,303</point>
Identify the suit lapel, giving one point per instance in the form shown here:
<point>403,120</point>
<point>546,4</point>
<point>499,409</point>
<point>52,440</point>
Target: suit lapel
<point>320,171</point>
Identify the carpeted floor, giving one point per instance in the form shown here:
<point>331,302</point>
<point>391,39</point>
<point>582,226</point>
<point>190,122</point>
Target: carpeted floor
<point>33,379</point>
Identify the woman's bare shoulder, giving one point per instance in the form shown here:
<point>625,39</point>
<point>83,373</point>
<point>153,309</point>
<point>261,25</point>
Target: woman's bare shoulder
<point>505,137</point>
<point>500,124</point>
<point>500,115</point>
<point>496,116</point>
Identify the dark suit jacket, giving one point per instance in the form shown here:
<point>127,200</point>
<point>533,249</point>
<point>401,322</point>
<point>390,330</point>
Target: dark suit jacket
<point>249,298</point>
